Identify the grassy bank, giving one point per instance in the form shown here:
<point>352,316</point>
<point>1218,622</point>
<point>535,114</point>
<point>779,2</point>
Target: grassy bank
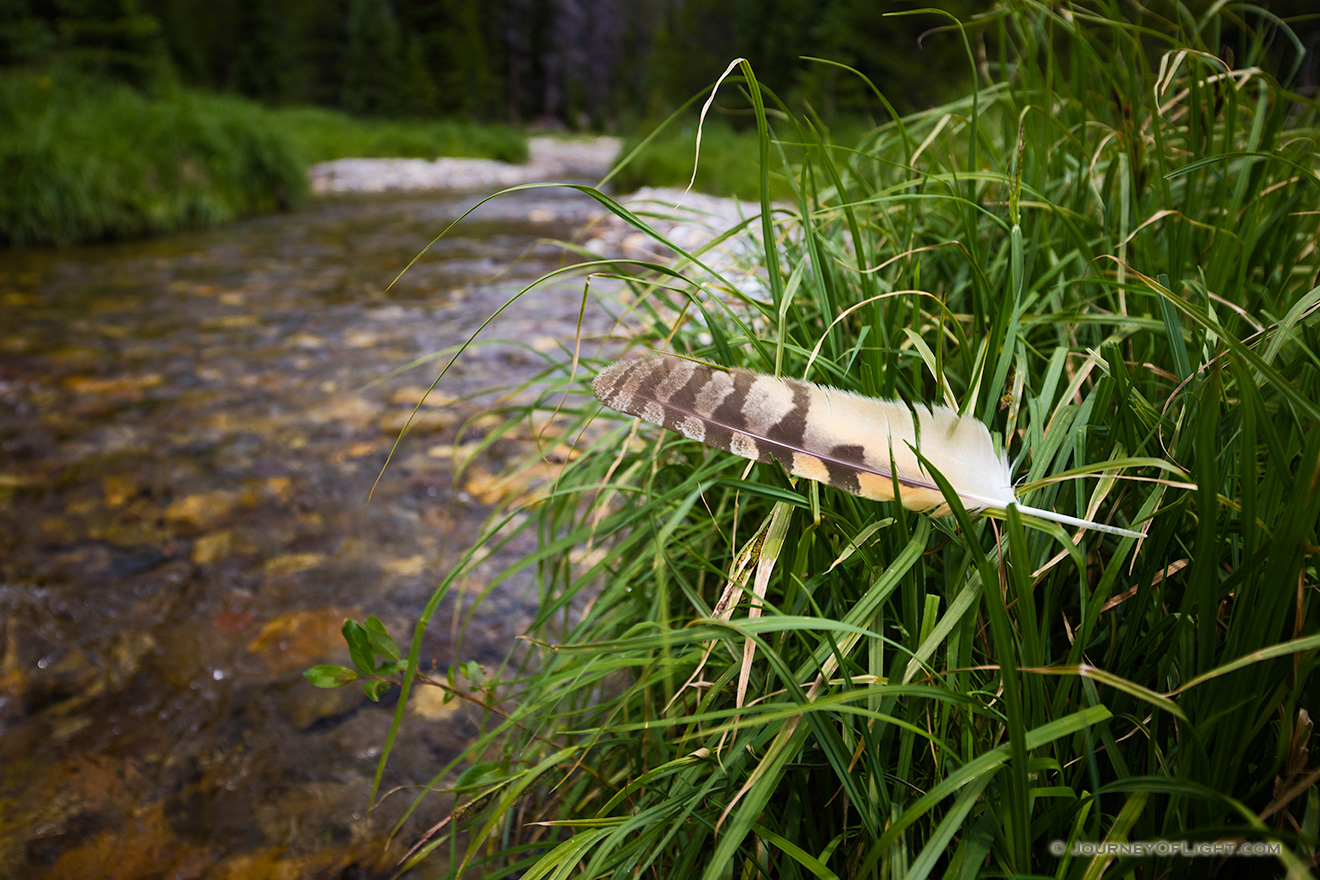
<point>667,157</point>
<point>1107,255</point>
<point>321,135</point>
<point>87,161</point>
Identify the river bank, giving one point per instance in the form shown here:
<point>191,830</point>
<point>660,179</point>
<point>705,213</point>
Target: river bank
<point>550,158</point>
<point>686,219</point>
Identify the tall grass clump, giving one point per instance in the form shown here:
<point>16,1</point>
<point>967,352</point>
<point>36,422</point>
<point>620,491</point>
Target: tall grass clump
<point>1106,253</point>
<point>84,161</point>
<point>320,135</point>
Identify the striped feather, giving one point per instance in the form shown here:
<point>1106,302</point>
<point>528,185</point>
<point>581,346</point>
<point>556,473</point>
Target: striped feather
<point>838,438</point>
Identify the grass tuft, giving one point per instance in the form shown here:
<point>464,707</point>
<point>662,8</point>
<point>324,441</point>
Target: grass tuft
<point>87,161</point>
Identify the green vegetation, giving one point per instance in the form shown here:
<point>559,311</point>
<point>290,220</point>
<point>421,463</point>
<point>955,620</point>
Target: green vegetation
<point>99,141</point>
<point>723,170</point>
<point>1107,253</point>
<point>85,161</point>
<point>89,161</point>
<point>321,135</point>
<point>666,158</point>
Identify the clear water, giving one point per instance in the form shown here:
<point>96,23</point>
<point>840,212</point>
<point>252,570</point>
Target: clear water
<point>186,448</point>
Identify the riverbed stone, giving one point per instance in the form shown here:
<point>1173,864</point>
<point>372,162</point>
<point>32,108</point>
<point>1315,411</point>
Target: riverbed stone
<point>411,395</point>
<point>116,489</point>
<point>293,642</point>
<point>306,705</point>
<point>293,563</point>
<point>202,510</point>
<point>422,422</point>
<point>212,547</point>
<point>431,703</point>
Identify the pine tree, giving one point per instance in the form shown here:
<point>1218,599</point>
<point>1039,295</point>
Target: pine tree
<point>466,76</point>
<point>373,66</point>
<point>113,39</point>
<point>318,40</point>
<point>419,96</point>
<point>25,38</point>
<point>261,59</point>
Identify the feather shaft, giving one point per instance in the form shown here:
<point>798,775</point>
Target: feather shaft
<point>1067,520</point>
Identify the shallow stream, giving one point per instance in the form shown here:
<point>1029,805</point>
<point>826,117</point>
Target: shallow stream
<point>186,447</point>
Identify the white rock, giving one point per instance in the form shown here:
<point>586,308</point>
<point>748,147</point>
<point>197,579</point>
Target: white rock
<point>550,158</point>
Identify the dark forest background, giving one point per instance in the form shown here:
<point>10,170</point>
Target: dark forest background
<point>597,64</point>
<point>585,64</point>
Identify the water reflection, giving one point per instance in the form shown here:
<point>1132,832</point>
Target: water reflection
<point>185,451</point>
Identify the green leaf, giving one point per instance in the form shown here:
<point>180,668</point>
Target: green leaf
<point>359,647</point>
<point>376,689</point>
<point>1173,328</point>
<point>380,640</point>
<point>329,676</point>
<point>392,667</point>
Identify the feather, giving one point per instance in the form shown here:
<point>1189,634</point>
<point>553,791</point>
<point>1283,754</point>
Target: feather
<point>854,443</point>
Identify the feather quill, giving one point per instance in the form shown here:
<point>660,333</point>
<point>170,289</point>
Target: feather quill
<point>858,444</point>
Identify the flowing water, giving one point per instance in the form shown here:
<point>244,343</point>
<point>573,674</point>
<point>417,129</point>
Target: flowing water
<point>186,447</point>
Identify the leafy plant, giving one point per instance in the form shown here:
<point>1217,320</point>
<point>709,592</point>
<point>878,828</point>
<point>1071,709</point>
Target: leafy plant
<point>1107,253</point>
<point>376,658</point>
